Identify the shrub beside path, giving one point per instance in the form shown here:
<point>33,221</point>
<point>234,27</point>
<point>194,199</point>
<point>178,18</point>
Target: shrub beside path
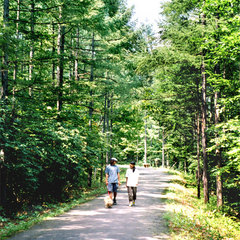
<point>92,221</point>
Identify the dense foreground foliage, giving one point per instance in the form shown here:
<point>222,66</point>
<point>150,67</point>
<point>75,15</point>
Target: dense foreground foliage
<point>67,82</point>
<point>194,94</point>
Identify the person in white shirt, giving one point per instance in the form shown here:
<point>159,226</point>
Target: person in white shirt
<point>132,177</point>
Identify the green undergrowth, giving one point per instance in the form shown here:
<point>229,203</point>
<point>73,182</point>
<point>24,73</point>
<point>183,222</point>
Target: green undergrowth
<point>189,218</point>
<point>26,219</point>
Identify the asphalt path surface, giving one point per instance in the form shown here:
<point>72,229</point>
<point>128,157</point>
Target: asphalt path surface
<point>92,221</point>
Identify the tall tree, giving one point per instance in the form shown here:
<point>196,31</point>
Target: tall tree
<point>4,69</point>
<point>60,51</point>
<point>4,96</point>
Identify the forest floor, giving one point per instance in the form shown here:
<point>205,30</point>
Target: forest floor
<point>92,221</point>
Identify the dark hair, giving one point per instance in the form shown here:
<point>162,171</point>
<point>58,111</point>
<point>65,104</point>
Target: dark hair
<point>133,163</point>
<point>112,160</point>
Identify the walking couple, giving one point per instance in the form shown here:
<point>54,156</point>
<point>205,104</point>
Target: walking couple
<point>113,181</point>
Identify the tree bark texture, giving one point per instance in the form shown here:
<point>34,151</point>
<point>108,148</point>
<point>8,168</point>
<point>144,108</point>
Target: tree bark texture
<point>31,46</point>
<point>204,122</point>
<point>163,148</point>
<point>4,95</point>
<point>204,137</point>
<point>60,67</point>
<point>198,133</point>
<point>91,106</point>
<point>53,53</point>
<point>76,77</point>
<point>219,186</point>
<point>4,72</point>
<point>145,141</point>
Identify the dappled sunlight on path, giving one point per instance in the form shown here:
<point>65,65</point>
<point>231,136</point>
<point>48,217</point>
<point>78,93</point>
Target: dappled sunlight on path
<point>92,221</point>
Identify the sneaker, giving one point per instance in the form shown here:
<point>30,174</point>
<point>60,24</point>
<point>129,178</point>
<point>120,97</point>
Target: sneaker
<point>130,204</point>
<point>133,203</point>
<point>114,202</point>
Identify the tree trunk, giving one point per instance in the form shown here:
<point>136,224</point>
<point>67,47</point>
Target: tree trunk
<point>53,53</point>
<point>204,137</point>
<point>111,126</point>
<point>137,152</point>
<point>91,108</point>
<point>104,162</point>
<point>204,124</point>
<point>17,33</point>
<point>107,127</point>
<point>32,45</point>
<point>102,168</point>
<point>198,158</point>
<point>91,80</point>
<point>90,171</point>
<point>4,95</point>
<point>104,123</point>
<point>219,187</point>
<point>199,172</point>
<point>76,77</point>
<point>4,72</point>
<point>61,41</point>
<point>167,159</point>
<point>163,148</point>
<point>145,141</point>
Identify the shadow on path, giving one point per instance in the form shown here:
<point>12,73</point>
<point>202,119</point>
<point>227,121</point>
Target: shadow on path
<point>92,221</point>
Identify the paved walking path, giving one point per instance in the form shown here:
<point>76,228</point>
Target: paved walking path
<point>92,221</point>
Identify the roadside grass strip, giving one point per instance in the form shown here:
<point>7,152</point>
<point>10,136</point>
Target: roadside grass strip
<point>189,218</point>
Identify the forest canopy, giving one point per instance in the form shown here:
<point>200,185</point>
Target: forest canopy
<point>80,83</point>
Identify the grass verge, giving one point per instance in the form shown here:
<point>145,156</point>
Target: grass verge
<point>189,218</point>
<point>25,220</point>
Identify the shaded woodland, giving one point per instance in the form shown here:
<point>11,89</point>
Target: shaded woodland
<point>81,83</point>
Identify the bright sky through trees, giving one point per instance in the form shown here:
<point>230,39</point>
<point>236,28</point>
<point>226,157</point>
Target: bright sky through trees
<point>147,12</point>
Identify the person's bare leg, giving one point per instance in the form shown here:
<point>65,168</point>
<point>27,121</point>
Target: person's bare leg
<point>110,194</point>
